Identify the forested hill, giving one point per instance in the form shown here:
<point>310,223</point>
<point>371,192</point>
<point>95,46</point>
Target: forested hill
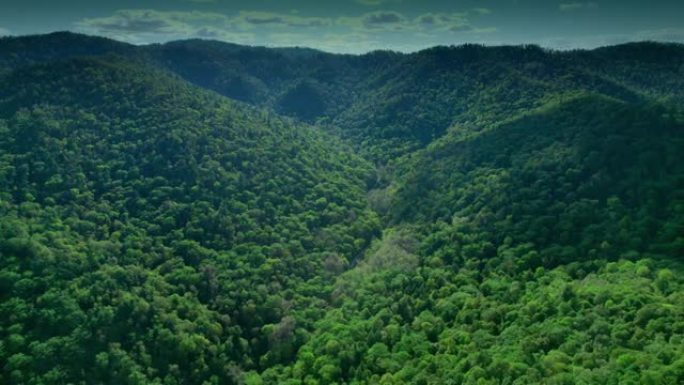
<point>200,212</point>
<point>390,104</point>
<point>153,231</point>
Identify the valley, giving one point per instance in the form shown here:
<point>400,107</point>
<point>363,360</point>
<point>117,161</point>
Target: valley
<point>199,212</point>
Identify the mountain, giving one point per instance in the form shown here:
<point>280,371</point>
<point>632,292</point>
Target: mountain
<point>542,249</point>
<point>201,212</point>
<point>390,104</point>
<point>154,231</point>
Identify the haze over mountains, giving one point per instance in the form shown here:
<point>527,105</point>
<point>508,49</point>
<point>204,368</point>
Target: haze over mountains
<point>200,212</point>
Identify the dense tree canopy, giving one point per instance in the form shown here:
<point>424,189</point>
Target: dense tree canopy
<point>207,213</point>
<point>542,256</point>
<point>154,233</point>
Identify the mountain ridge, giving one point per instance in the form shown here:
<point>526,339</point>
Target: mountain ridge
<point>374,97</point>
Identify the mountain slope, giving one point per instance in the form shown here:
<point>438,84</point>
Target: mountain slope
<point>391,104</point>
<point>589,160</point>
<point>155,232</point>
<point>543,249</point>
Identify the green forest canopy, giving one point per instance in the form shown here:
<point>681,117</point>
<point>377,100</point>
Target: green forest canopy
<point>206,213</point>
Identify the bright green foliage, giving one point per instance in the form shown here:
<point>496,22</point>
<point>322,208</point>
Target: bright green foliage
<point>546,255</point>
<point>587,323</point>
<point>524,223</point>
<point>153,233</point>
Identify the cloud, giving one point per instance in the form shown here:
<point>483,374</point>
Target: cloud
<point>382,19</point>
<point>569,7</point>
<point>451,22</point>
<point>134,21</point>
<point>280,20</point>
<point>427,20</point>
<point>380,29</point>
<point>4,32</point>
<point>146,26</point>
<point>428,23</point>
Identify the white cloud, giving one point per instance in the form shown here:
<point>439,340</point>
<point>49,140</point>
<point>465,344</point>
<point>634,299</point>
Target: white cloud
<point>4,32</point>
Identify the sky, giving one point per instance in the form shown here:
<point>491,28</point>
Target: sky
<point>355,26</point>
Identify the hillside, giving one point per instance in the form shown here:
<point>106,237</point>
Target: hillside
<point>543,249</point>
<point>390,104</point>
<point>563,174</point>
<point>199,212</point>
<point>151,230</point>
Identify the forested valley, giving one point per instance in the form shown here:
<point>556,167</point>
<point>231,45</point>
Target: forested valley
<point>199,212</point>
